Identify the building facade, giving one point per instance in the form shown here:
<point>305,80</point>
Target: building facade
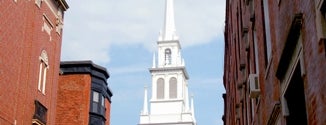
<point>169,103</point>
<point>84,97</point>
<point>274,64</point>
<point>30,48</point>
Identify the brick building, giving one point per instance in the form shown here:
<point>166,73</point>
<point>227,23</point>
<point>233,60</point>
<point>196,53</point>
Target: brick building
<point>84,97</point>
<point>275,62</point>
<point>30,46</point>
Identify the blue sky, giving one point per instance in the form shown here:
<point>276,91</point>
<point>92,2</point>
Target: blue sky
<point>121,36</point>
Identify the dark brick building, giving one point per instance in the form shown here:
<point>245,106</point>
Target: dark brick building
<point>275,62</point>
<point>30,46</point>
<point>84,97</point>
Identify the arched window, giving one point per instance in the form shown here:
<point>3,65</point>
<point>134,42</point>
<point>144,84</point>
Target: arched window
<point>167,56</point>
<point>44,66</point>
<point>173,88</point>
<point>160,88</point>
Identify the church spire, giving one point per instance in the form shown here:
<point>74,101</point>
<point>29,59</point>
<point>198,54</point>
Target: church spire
<point>169,31</point>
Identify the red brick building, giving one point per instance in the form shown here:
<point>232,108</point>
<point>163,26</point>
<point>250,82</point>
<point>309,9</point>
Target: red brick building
<point>30,46</point>
<point>84,97</point>
<point>275,62</point>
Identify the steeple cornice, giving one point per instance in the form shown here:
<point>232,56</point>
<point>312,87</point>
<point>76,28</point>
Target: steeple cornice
<point>167,69</point>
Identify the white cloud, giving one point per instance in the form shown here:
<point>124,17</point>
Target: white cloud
<point>92,26</point>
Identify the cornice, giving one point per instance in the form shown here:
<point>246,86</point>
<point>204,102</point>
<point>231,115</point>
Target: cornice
<point>166,69</point>
<point>170,41</point>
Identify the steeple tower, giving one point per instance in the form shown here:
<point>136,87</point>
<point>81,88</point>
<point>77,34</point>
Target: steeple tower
<point>169,101</point>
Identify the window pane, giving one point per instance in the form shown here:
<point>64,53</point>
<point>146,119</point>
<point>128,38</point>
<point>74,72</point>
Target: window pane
<point>173,87</point>
<point>103,101</point>
<point>95,96</point>
<point>94,107</point>
<point>160,88</point>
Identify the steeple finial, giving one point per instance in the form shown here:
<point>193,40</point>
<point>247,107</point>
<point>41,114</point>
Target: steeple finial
<point>169,31</point>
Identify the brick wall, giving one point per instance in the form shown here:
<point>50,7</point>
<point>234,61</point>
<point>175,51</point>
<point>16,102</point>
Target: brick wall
<point>73,99</point>
<point>77,83</point>
<point>266,109</point>
<point>21,43</point>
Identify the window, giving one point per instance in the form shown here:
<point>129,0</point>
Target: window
<point>323,8</point>
<point>160,88</point>
<point>95,101</point>
<point>47,26</point>
<point>295,99</point>
<point>268,46</point>
<point>256,62</point>
<point>98,103</point>
<point>59,23</point>
<point>103,101</point>
<point>167,56</point>
<point>173,88</point>
<point>39,117</point>
<point>44,66</point>
<point>323,24</point>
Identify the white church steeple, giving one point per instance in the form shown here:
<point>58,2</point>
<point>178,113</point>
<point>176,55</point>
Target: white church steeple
<point>169,31</point>
<point>169,101</point>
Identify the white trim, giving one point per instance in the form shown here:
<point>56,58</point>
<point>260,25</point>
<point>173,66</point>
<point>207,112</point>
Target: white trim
<point>51,8</point>
<point>44,80</point>
<point>295,59</point>
<point>267,30</point>
<point>37,2</point>
<point>40,77</point>
<point>319,3</point>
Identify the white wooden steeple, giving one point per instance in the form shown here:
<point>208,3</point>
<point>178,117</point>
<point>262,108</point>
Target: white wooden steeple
<point>169,31</point>
<point>169,101</point>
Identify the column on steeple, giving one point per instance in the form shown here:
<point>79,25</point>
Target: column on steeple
<point>154,61</point>
<point>193,109</point>
<point>145,108</point>
<point>186,98</point>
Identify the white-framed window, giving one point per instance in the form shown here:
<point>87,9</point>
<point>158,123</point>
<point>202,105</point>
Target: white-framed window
<point>268,44</point>
<point>44,66</point>
<point>160,88</point>
<point>173,88</point>
<point>47,25</point>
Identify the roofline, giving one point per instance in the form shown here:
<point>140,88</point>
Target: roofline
<point>84,63</point>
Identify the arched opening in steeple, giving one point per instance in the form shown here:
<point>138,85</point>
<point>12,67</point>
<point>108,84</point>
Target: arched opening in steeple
<point>168,58</point>
<point>160,88</point>
<point>173,88</point>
